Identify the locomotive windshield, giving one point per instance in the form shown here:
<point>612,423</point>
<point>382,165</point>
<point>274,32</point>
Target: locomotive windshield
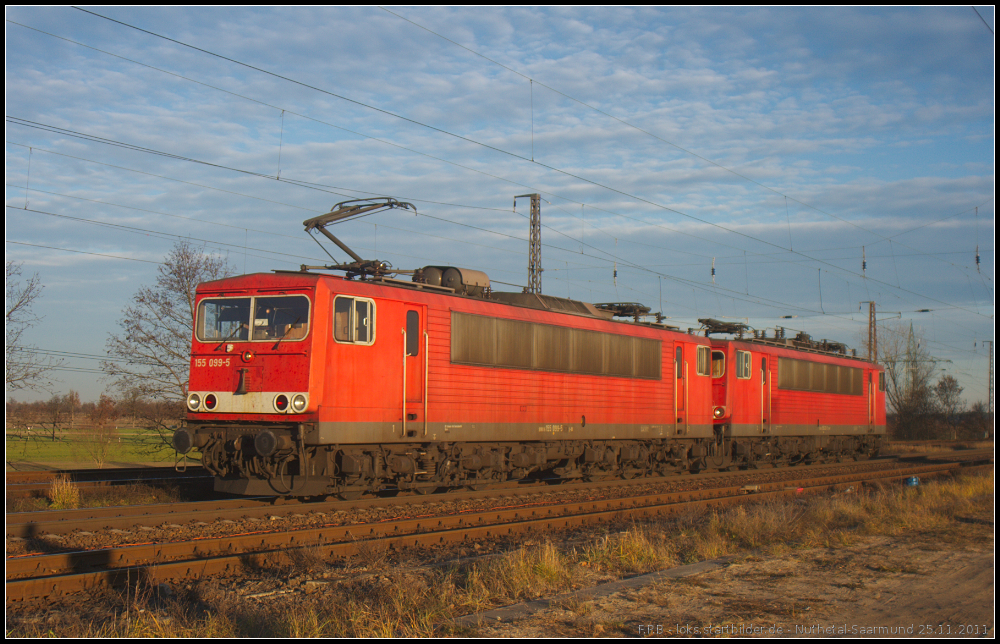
<point>274,318</point>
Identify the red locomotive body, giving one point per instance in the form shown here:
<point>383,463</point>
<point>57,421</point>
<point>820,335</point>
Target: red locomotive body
<point>310,384</point>
<point>363,379</point>
<point>313,384</point>
<point>797,396</point>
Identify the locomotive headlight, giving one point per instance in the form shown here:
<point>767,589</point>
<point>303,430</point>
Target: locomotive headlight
<point>281,403</point>
<point>719,412</point>
<point>211,401</point>
<point>299,403</point>
<point>194,402</point>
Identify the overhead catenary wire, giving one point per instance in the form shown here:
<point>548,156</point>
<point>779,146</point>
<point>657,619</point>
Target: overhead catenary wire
<point>380,140</point>
<point>534,81</point>
<point>811,258</point>
<point>721,259</point>
<point>331,125</point>
<point>479,143</point>
<point>106,141</point>
<point>672,278</point>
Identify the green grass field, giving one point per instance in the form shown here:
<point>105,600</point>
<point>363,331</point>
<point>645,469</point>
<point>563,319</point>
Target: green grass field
<point>129,445</point>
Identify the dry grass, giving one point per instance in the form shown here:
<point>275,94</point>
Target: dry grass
<point>636,550</point>
<point>372,552</point>
<point>525,573</point>
<point>926,447</point>
<point>136,493</point>
<point>63,494</point>
<point>306,560</point>
<point>425,603</point>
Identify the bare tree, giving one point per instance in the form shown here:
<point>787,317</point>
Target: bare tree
<point>23,421</point>
<point>61,411</point>
<point>24,366</point>
<point>908,372</point>
<point>948,394</point>
<point>103,436</point>
<point>153,349</point>
<point>980,421</point>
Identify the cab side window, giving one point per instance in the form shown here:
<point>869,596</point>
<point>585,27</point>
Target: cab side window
<point>743,365</point>
<point>704,367</point>
<point>412,333</point>
<point>353,320</point>
<point>718,364</point>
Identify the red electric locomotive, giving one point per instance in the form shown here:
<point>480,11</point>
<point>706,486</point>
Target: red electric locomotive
<point>775,397</point>
<point>313,384</point>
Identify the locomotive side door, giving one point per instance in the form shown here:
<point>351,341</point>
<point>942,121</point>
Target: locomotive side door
<point>680,390</point>
<point>413,344</point>
<point>765,397</point>
<point>871,401</point>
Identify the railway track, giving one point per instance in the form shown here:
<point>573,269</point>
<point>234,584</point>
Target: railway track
<point>26,525</point>
<point>39,576</point>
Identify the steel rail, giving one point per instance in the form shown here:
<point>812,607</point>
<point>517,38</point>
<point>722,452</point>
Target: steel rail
<point>27,525</point>
<point>71,572</point>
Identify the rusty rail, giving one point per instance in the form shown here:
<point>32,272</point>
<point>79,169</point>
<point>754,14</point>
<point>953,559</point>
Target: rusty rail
<point>62,573</point>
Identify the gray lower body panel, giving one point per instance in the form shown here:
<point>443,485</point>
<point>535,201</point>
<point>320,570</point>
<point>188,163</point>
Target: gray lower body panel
<point>805,430</point>
<point>346,433</point>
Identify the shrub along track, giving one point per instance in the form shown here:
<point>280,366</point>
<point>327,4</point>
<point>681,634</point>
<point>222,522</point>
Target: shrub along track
<point>25,484</point>
<point>40,576</point>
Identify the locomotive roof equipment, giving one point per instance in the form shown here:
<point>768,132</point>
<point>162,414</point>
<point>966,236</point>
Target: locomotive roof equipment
<point>345,210</point>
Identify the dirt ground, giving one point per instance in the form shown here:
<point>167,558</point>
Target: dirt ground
<point>881,588</point>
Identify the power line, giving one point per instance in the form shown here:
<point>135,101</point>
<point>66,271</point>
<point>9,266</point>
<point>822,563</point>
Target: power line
<point>314,186</point>
<point>648,133</point>
<point>440,130</point>
<point>383,141</point>
<point>146,231</point>
<point>263,232</point>
<point>757,300</point>
<point>266,176</point>
<point>70,250</point>
<point>983,19</point>
<point>487,146</point>
<point>283,110</point>
<point>730,293</point>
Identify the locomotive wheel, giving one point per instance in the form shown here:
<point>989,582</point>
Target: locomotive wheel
<point>351,495</point>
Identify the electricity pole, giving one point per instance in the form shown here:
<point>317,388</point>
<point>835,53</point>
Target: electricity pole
<point>872,333</point>
<point>989,382</point>
<point>534,244</point>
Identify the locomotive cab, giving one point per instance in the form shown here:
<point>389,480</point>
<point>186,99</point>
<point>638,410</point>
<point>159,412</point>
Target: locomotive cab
<point>250,374</point>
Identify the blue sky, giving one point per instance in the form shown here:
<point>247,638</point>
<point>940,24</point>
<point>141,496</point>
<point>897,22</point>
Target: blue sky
<point>777,142</point>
